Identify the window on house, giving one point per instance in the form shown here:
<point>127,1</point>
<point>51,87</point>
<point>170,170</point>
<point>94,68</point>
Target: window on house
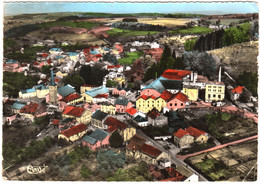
<point>208,95</point>
<point>214,96</point>
<point>181,104</point>
<point>170,104</point>
<point>175,104</point>
<point>219,96</point>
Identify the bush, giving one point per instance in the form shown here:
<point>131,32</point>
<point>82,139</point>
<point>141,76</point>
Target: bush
<point>111,83</point>
<point>116,140</point>
<point>85,172</point>
<point>189,44</point>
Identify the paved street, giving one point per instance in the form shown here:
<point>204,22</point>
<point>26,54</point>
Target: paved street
<point>173,157</point>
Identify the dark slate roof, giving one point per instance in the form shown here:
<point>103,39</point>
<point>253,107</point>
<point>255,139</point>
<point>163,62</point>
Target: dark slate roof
<point>99,134</point>
<point>139,118</point>
<point>121,101</point>
<point>89,139</point>
<point>66,90</point>
<point>172,84</point>
<point>99,115</point>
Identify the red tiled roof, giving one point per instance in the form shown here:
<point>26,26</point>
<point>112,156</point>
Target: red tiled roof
<point>35,63</point>
<point>131,111</point>
<point>175,74</point>
<point>180,133</point>
<point>153,113</point>
<point>145,97</point>
<point>195,132</point>
<point>118,66</point>
<point>108,67</point>
<point>56,79</point>
<point>86,50</point>
<point>94,47</point>
<point>101,96</point>
<point>180,96</point>
<point>114,124</point>
<point>238,90</point>
<point>9,102</point>
<point>73,111</point>
<point>150,150</point>
<point>55,122</point>
<point>98,55</point>
<point>44,55</point>
<point>74,130</point>
<point>49,61</point>
<point>29,109</point>
<point>70,97</point>
<point>23,64</point>
<point>136,142</point>
<point>166,95</point>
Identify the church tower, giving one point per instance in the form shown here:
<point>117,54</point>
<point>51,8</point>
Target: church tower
<point>53,90</point>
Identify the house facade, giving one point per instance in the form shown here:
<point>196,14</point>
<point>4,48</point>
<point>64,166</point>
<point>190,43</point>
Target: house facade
<point>108,108</point>
<point>97,139</point>
<point>183,139</point>
<point>215,91</point>
<point>74,133</point>
<point>80,114</point>
<point>122,104</point>
<point>98,118</point>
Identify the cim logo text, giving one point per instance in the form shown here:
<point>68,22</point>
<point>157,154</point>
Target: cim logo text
<point>36,169</point>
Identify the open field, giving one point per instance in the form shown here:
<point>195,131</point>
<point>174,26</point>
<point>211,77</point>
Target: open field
<point>130,58</point>
<point>225,22</point>
<point>168,22</point>
<point>125,33</point>
<point>228,164</point>
<point>85,24</point>
<point>71,38</point>
<point>193,30</point>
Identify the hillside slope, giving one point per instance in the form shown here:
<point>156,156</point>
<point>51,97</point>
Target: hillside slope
<point>238,58</point>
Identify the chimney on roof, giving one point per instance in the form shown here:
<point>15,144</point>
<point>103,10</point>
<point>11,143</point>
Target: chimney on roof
<point>191,77</point>
<point>195,76</point>
<point>219,74</point>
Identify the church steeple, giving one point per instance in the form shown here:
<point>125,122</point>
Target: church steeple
<point>53,90</point>
<point>52,79</point>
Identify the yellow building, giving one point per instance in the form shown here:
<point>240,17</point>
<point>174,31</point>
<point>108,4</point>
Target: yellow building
<point>80,114</point>
<point>147,103</point>
<point>191,92</point>
<point>86,87</point>
<point>120,80</point>
<point>39,91</point>
<point>214,91</point>
<point>61,75</point>
<point>108,108</point>
<point>128,133</point>
<point>27,93</point>
<point>74,133</point>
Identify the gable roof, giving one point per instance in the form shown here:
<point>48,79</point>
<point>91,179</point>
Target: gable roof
<point>139,118</point>
<point>96,91</point>
<point>132,111</point>
<point>153,113</point>
<point>136,142</point>
<point>74,130</point>
<point>180,133</point>
<point>89,139</point>
<point>121,101</point>
<point>238,90</point>
<point>166,95</point>
<point>156,85</point>
<point>55,122</point>
<point>29,109</point>
<point>99,134</point>
<point>70,97</point>
<point>73,111</point>
<point>172,74</point>
<point>172,84</point>
<point>114,124</point>
<point>195,132</point>
<point>150,150</point>
<point>66,90</point>
<point>145,97</point>
<point>23,91</point>
<point>18,105</point>
<point>99,115</point>
<point>180,96</point>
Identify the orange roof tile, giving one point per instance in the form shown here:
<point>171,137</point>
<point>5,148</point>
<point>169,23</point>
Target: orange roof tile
<point>195,132</point>
<point>175,74</point>
<point>29,109</point>
<point>150,150</point>
<point>166,95</point>
<point>180,133</point>
<point>73,111</point>
<point>238,90</point>
<point>114,124</point>
<point>74,130</point>
<point>70,97</point>
<point>131,111</point>
<point>180,96</point>
<point>55,122</point>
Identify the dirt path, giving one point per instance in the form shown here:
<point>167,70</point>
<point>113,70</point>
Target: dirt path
<point>183,157</point>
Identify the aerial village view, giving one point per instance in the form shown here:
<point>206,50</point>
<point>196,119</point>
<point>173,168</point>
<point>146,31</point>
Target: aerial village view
<point>129,91</point>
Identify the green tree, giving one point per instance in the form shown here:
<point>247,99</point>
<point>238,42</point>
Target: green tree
<point>75,81</point>
<point>116,140</point>
<point>165,55</point>
<point>85,172</point>
<point>249,80</point>
<point>46,69</point>
<point>130,85</point>
<point>189,44</point>
<point>111,83</point>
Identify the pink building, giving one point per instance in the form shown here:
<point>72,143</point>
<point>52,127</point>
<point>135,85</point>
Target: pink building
<point>97,139</point>
<point>178,101</point>
<point>150,92</point>
<point>92,107</point>
<point>120,91</point>
<point>122,104</point>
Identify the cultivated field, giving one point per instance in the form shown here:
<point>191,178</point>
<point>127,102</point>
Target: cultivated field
<point>231,163</point>
<point>71,38</point>
<point>168,22</point>
<point>225,21</point>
